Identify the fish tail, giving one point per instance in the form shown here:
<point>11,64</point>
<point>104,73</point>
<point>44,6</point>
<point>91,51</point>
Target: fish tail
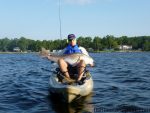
<point>44,52</point>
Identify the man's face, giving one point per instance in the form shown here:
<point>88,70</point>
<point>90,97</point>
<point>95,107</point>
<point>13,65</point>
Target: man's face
<point>72,42</point>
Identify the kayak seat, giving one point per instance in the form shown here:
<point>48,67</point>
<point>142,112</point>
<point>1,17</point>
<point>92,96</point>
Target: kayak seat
<point>60,76</point>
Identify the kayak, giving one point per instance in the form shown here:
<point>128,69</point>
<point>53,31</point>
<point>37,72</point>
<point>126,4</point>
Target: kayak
<point>70,92</point>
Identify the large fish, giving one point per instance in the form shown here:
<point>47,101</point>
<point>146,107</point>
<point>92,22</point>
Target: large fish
<point>72,59</point>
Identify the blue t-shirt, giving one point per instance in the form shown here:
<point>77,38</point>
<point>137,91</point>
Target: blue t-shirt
<point>72,49</point>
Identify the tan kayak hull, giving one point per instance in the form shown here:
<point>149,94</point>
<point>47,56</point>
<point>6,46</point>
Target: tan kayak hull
<point>70,92</point>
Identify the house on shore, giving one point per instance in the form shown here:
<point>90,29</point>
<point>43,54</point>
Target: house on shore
<point>16,49</point>
<point>125,47</point>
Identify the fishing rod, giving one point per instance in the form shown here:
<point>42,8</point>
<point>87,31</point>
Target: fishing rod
<point>60,34</point>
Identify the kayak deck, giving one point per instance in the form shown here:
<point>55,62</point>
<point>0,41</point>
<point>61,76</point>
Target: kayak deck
<point>70,92</point>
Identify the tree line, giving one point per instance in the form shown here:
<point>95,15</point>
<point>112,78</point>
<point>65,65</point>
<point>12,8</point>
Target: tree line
<point>97,43</point>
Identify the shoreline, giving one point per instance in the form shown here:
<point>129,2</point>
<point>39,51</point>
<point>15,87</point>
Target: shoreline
<point>17,52</point>
<point>89,52</point>
<point>121,51</point>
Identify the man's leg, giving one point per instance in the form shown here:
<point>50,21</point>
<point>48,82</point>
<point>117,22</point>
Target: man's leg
<point>81,68</point>
<point>63,67</point>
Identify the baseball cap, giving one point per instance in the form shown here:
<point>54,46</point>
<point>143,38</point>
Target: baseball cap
<point>71,36</point>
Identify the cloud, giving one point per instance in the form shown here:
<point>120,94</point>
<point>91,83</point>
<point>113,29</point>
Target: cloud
<point>79,1</point>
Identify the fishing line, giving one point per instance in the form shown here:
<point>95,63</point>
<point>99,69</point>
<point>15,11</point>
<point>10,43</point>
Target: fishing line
<point>60,34</point>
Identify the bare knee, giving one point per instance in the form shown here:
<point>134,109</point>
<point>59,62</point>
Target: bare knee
<point>62,63</point>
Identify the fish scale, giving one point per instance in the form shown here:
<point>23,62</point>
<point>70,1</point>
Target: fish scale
<point>72,59</point>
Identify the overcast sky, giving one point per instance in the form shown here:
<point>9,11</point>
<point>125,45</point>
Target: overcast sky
<point>39,19</point>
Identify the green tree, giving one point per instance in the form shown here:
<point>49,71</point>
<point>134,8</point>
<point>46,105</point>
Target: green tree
<point>109,42</point>
<point>4,44</point>
<point>13,43</point>
<point>80,41</point>
<point>23,44</point>
<point>124,40</point>
<point>97,46</point>
<point>146,46</point>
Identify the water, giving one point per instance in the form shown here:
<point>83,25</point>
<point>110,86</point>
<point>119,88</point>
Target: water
<point>121,83</point>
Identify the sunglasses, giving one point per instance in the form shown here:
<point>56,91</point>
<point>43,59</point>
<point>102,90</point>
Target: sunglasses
<point>71,40</point>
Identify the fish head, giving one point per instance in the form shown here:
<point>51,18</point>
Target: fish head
<point>91,62</point>
<point>88,60</point>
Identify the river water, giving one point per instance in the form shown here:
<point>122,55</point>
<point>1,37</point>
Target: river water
<point>121,84</point>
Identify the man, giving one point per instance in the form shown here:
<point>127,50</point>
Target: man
<point>72,47</point>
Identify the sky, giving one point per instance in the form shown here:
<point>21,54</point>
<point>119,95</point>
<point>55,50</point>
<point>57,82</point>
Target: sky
<point>39,19</point>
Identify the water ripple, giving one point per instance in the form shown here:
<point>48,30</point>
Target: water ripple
<point>121,83</point>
